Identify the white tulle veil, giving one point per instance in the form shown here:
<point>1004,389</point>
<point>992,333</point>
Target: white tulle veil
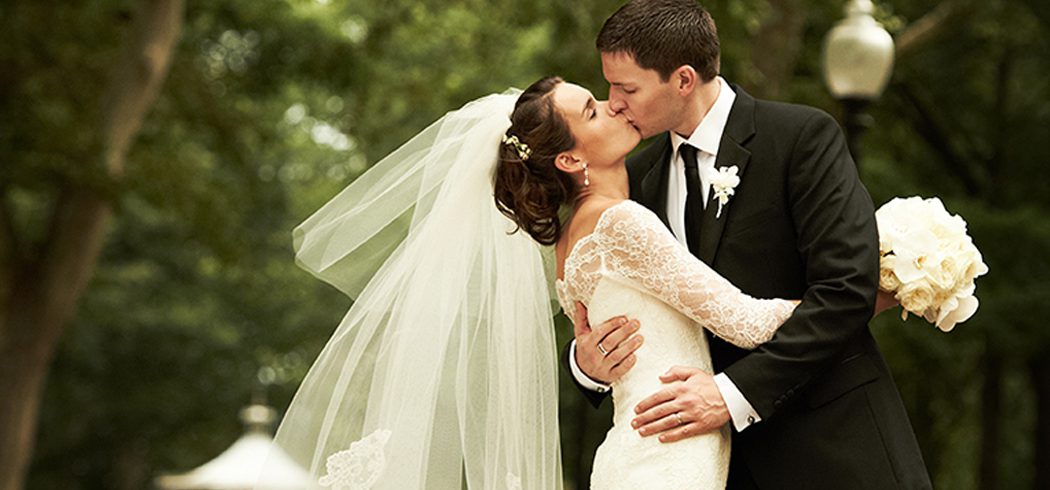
<point>443,374</point>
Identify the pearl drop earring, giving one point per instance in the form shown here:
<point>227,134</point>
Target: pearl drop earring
<point>586,176</point>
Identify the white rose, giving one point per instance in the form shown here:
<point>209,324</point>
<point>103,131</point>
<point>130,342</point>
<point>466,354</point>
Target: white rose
<point>887,279</point>
<point>916,297</point>
<point>954,266</point>
<point>941,274</point>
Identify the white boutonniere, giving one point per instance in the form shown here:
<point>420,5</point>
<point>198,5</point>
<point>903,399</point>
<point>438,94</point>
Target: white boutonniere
<point>723,183</point>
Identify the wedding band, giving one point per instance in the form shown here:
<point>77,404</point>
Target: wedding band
<point>602,349</point>
<point>678,417</point>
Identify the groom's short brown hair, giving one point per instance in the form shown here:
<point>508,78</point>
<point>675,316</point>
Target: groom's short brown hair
<point>663,35</point>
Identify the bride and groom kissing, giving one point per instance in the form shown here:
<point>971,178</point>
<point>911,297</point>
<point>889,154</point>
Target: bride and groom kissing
<point>441,375</point>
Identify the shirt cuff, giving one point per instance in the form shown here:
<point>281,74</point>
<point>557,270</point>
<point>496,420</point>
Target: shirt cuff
<point>740,410</point>
<point>581,378</point>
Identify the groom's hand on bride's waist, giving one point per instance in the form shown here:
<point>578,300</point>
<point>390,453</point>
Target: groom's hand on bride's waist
<point>689,404</point>
<point>605,352</point>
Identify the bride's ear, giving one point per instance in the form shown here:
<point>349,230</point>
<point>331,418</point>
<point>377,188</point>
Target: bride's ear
<point>568,163</point>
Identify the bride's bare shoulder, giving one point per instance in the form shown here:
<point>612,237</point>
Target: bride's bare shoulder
<point>586,218</point>
<point>582,223</point>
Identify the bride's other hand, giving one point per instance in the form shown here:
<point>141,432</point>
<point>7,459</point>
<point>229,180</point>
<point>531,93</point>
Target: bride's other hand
<point>688,405</point>
<point>617,338</point>
<point>884,301</point>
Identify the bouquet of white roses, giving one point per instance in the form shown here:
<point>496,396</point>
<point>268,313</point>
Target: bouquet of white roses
<point>928,261</point>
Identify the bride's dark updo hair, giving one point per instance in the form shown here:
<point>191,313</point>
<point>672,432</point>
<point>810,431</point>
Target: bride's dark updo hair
<point>532,190</point>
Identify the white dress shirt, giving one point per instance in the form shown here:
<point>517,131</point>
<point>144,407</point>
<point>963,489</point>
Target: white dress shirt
<point>705,138</point>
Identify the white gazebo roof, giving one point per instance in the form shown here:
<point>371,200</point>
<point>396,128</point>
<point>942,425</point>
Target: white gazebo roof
<point>238,467</point>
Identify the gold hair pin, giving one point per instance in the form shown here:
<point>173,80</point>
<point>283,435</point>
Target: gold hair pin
<point>523,150</point>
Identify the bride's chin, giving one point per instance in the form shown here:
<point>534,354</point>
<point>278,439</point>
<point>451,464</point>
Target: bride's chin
<point>636,139</point>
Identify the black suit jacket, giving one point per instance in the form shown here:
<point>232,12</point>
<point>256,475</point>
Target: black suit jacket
<point>800,226</point>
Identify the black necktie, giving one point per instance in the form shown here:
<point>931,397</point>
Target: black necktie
<point>694,201</point>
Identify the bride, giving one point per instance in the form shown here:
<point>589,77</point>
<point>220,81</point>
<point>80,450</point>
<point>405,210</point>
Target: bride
<point>615,256</point>
<point>443,373</point>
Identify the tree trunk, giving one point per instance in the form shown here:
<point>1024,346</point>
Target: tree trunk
<point>991,412</point>
<point>1040,370</point>
<point>776,46</point>
<point>41,297</point>
<point>23,366</point>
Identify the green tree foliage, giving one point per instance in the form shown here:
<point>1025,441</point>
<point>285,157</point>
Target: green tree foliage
<point>272,106</point>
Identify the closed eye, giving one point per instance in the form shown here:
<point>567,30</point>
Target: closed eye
<point>590,106</point>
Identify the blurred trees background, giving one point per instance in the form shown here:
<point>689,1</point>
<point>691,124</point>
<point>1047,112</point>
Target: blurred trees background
<point>147,285</point>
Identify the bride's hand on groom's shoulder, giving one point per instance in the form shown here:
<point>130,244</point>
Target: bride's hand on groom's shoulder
<point>688,405</point>
<point>605,353</point>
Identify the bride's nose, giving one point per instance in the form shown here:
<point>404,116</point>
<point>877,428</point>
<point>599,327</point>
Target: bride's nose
<point>607,107</point>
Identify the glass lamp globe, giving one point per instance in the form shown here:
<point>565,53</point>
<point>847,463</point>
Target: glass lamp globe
<point>858,54</point>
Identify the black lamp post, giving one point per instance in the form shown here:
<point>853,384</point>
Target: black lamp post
<point>858,61</point>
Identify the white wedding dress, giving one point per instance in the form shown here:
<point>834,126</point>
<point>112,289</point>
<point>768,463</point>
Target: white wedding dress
<point>631,265</point>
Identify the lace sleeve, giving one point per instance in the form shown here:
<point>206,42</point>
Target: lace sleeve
<point>636,245</point>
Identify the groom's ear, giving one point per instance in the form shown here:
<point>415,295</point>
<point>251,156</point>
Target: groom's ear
<point>685,79</point>
<point>567,163</point>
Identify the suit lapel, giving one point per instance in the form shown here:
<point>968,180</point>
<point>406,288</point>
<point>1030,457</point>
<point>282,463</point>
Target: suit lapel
<point>731,151</point>
<point>654,184</point>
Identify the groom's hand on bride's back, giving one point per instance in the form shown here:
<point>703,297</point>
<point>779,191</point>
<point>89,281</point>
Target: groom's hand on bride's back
<point>618,339</point>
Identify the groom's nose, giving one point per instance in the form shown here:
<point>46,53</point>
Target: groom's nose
<point>616,105</point>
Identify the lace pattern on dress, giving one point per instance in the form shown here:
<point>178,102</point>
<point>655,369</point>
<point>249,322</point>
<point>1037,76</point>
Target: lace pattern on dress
<point>631,242</point>
<point>359,467</point>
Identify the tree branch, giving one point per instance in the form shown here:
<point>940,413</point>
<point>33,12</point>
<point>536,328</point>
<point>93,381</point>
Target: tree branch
<point>933,133</point>
<point>9,259</point>
<point>78,226</point>
<point>1040,9</point>
<point>995,163</point>
<point>136,80</point>
<point>9,247</point>
<point>929,26</point>
<point>79,223</point>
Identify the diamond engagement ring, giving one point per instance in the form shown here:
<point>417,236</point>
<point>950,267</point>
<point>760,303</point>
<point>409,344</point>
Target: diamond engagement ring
<point>602,350</point>
<point>678,417</point>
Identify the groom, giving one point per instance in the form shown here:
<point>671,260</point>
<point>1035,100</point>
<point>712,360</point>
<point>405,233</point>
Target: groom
<point>815,407</point>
